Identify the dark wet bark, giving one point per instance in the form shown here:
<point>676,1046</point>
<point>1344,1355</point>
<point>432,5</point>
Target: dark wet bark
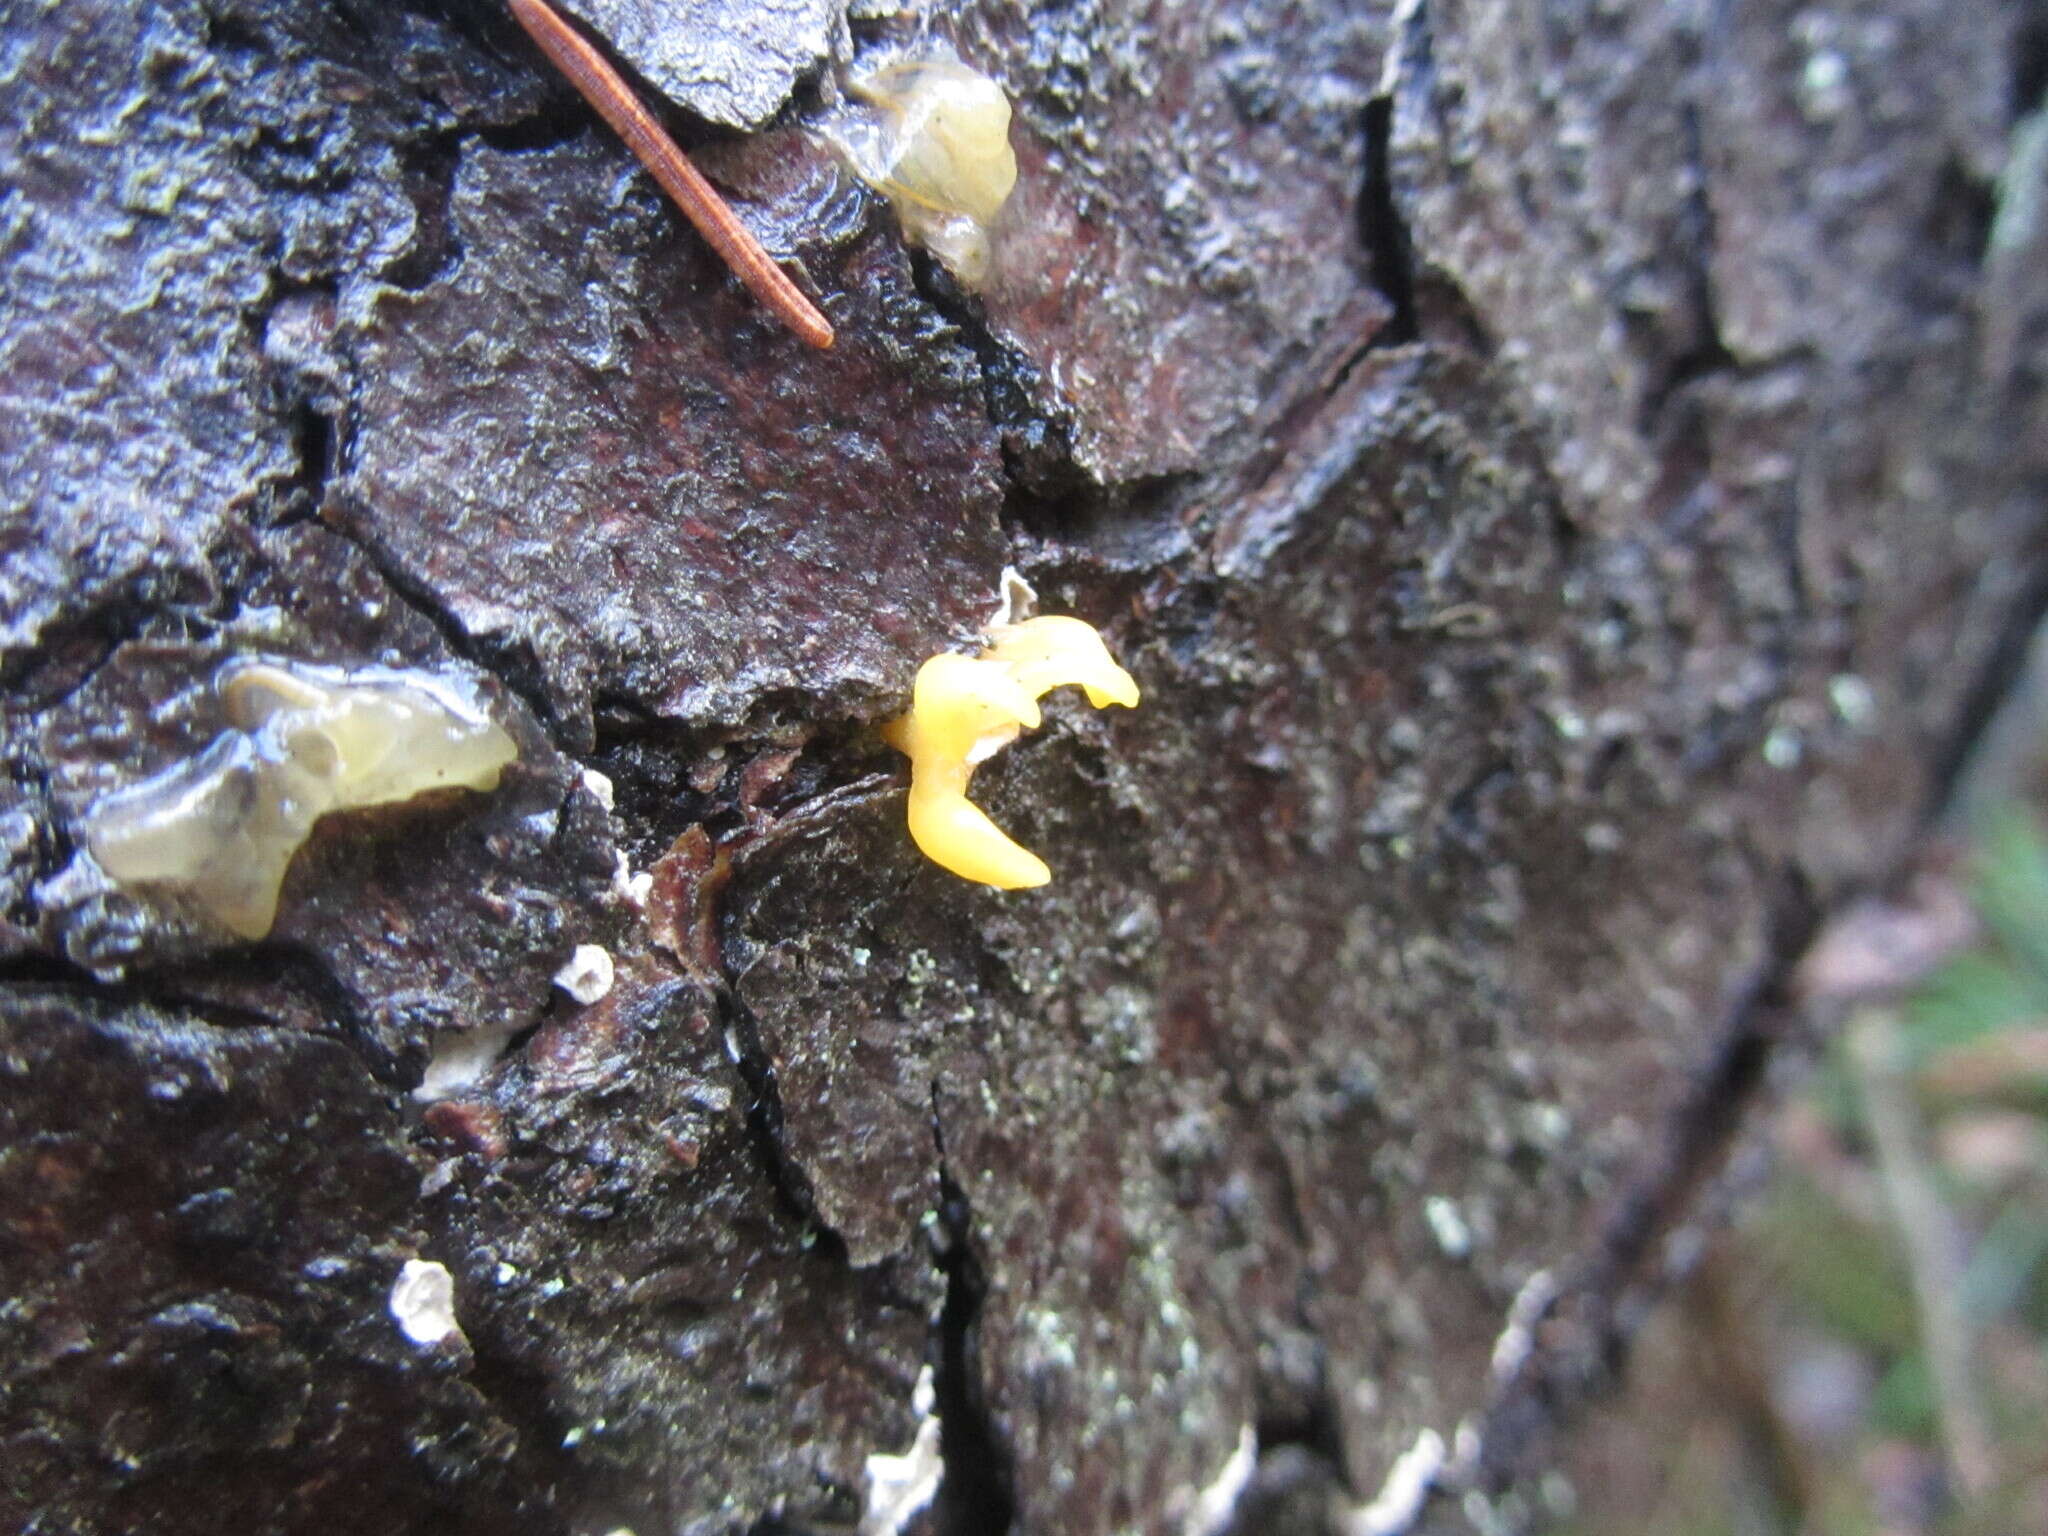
<point>1567,486</point>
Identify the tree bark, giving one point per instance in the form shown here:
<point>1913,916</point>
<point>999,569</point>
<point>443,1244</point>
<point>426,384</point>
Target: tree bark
<point>1570,486</point>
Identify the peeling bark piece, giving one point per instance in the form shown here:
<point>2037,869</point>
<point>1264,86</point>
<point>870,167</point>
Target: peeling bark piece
<point>682,902</point>
<point>730,61</point>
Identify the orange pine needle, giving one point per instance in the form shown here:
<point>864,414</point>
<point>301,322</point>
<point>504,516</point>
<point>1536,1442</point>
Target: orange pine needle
<point>606,90</point>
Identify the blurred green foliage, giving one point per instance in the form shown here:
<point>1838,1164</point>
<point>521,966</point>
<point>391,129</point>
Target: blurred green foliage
<point>1817,1275</point>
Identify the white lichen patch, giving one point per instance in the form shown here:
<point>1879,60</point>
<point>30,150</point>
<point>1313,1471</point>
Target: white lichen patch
<point>304,740</point>
<point>1215,1504</point>
<point>587,974</point>
<point>1517,1339</point>
<point>629,886</point>
<point>900,1486</point>
<point>460,1057</point>
<point>1448,1226</point>
<point>423,1302</point>
<point>1394,1508</point>
<point>1016,599</point>
<point>600,788</point>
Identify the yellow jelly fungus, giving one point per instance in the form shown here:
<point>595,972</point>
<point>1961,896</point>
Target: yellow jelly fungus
<point>305,740</point>
<point>965,709</point>
<point>941,155</point>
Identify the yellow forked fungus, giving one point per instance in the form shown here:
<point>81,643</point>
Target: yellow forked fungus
<point>965,709</point>
<point>305,740</point>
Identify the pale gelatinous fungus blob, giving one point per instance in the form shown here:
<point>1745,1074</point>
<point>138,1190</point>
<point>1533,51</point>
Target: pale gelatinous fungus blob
<point>304,740</point>
<point>940,152</point>
<point>965,709</point>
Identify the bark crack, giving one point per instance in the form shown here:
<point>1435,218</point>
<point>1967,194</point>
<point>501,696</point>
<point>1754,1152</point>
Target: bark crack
<point>758,1074</point>
<point>1382,228</point>
<point>1389,244</point>
<point>977,1493</point>
<point>1706,353</point>
<point>511,661</point>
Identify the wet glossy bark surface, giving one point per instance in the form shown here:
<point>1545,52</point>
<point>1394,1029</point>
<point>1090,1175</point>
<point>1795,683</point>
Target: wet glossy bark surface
<point>1567,493</point>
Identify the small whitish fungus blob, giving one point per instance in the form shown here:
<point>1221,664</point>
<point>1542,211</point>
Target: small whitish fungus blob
<point>423,1302</point>
<point>304,740</point>
<point>460,1057</point>
<point>587,974</point>
<point>965,709</point>
<point>900,1487</point>
<point>940,153</point>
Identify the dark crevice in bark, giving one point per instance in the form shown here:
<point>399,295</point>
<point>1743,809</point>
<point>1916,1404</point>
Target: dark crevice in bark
<point>1705,352</point>
<point>1392,266</point>
<point>1389,247</point>
<point>533,133</point>
<point>511,661</point>
<point>765,1121</point>
<point>1038,451</point>
<point>1314,1426</point>
<point>1136,528</point>
<point>68,657</point>
<point>46,972</point>
<point>654,800</point>
<point>2030,66</point>
<point>427,167</point>
<point>1051,506</point>
<point>977,1491</point>
<point>429,164</point>
<point>1961,208</point>
<point>313,446</point>
<point>226,32</point>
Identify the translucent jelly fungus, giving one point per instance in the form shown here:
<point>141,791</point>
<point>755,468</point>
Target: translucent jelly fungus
<point>965,709</point>
<point>304,740</point>
<point>940,152</point>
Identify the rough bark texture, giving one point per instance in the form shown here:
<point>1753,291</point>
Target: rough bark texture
<point>1567,484</point>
